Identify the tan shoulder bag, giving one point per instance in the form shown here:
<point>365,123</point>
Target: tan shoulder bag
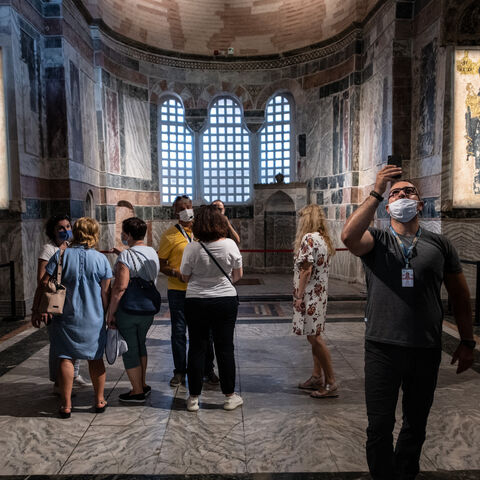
<point>53,295</point>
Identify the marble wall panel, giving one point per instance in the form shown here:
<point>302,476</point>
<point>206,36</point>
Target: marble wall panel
<point>56,112</point>
<point>76,134</point>
<point>137,138</point>
<point>89,122</point>
<point>30,94</point>
<point>10,250</point>
<point>112,132</point>
<point>426,117</point>
<point>4,167</point>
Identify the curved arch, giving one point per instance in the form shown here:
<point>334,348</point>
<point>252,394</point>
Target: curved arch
<point>162,88</point>
<point>123,210</point>
<point>280,202</point>
<point>89,209</point>
<point>287,86</point>
<point>125,204</point>
<point>237,91</point>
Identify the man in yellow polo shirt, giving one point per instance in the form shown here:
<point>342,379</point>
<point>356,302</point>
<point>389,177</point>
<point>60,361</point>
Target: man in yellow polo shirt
<point>170,252</point>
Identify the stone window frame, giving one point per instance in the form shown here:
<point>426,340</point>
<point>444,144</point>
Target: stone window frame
<point>254,130</point>
<point>275,128</point>
<point>174,180</point>
<point>237,170</point>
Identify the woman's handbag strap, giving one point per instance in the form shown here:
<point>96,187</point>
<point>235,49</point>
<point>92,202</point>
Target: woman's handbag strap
<point>60,267</point>
<point>216,263</point>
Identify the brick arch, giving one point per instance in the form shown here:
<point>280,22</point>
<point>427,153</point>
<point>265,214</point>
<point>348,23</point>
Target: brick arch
<point>238,91</point>
<point>161,87</point>
<point>284,85</point>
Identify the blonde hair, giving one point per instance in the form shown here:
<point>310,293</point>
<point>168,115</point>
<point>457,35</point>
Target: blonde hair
<point>312,219</point>
<point>86,232</point>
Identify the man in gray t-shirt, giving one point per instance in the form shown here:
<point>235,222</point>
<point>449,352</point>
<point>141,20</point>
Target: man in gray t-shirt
<point>405,267</point>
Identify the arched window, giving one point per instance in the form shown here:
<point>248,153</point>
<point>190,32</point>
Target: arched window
<point>275,140</point>
<point>226,154</point>
<point>176,152</point>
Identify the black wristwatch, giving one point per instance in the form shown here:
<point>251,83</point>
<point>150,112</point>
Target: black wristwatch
<point>468,343</point>
<point>376,195</point>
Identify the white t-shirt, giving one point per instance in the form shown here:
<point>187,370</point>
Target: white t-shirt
<point>48,251</point>
<point>207,280</point>
<point>146,262</point>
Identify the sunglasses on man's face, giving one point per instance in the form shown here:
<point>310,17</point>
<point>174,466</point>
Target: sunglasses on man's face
<point>408,191</point>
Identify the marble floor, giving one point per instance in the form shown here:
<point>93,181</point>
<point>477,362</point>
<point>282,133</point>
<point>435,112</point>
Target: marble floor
<point>279,432</point>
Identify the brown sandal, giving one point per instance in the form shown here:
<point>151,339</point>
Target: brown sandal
<point>327,391</point>
<point>313,383</point>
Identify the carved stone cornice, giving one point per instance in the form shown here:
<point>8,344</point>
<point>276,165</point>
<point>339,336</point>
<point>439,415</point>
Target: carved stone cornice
<point>210,63</point>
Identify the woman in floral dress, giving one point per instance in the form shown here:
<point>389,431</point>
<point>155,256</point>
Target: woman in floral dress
<point>314,249</point>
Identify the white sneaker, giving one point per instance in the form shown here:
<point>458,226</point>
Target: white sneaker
<point>79,381</point>
<point>232,402</point>
<point>192,404</point>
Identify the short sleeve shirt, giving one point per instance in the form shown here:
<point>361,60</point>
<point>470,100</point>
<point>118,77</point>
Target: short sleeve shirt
<point>48,251</point>
<point>172,244</point>
<point>407,316</point>
<point>207,280</point>
<point>146,264</point>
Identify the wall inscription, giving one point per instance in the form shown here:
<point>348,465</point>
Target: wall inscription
<point>466,171</point>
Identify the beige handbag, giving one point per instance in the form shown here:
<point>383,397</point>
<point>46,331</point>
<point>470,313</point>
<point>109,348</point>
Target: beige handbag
<point>53,296</point>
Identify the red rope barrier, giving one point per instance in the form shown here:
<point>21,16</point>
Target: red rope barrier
<point>106,252</point>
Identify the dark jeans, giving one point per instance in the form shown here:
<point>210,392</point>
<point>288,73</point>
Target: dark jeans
<point>176,304</point>
<point>387,368</point>
<point>218,316</point>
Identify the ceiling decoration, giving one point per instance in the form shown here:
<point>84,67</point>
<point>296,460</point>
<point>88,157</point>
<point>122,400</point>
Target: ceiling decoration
<point>212,27</point>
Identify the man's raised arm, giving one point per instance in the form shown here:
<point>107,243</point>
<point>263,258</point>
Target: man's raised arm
<point>355,235</point>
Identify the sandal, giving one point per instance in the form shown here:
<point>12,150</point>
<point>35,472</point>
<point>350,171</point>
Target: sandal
<point>65,412</point>
<point>327,391</point>
<point>313,383</point>
<point>101,406</point>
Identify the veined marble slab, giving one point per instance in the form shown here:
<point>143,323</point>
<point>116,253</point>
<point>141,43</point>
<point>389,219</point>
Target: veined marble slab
<point>137,139</point>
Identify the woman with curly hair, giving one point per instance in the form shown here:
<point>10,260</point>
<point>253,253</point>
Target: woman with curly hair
<point>79,332</point>
<point>314,248</point>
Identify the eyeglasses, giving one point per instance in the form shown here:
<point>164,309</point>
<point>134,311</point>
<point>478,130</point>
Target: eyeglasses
<point>408,191</point>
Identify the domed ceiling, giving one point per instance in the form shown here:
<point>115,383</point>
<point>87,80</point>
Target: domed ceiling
<point>251,27</point>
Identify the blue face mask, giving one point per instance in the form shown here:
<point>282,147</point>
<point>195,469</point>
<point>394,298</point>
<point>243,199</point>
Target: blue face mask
<point>125,242</point>
<point>64,235</point>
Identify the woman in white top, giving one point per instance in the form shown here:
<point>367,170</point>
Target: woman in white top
<point>211,302</point>
<point>59,232</point>
<point>139,260</point>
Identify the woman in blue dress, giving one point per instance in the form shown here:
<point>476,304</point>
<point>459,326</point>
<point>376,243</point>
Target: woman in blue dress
<point>79,332</point>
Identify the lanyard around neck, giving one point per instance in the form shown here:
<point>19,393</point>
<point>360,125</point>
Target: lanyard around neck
<point>406,252</point>
<point>183,232</point>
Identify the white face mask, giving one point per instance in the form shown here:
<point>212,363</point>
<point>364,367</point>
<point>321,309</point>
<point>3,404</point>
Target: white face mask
<point>186,215</point>
<point>403,209</point>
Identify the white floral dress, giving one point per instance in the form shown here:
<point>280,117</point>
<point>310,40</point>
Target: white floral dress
<point>309,318</point>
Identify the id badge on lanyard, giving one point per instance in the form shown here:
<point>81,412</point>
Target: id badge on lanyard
<point>408,276</point>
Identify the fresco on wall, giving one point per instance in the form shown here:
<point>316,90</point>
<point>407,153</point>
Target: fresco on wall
<point>466,172</point>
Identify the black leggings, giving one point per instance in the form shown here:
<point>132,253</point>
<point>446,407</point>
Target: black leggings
<point>217,315</point>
